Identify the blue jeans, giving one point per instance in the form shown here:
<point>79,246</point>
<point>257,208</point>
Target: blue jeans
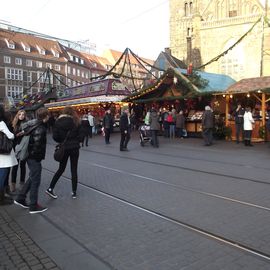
<point>33,182</point>
<point>3,175</point>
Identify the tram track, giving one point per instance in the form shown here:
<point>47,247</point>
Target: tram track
<point>201,231</point>
<point>168,165</point>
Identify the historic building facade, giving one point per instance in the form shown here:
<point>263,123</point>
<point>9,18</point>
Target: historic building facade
<point>201,30</point>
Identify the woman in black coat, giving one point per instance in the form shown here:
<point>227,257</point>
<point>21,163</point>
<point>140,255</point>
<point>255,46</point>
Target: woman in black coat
<point>67,126</point>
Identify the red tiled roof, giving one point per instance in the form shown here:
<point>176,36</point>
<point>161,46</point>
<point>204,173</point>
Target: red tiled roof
<point>250,85</point>
<point>31,41</point>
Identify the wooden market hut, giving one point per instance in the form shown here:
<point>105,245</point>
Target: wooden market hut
<point>253,92</point>
<point>180,90</point>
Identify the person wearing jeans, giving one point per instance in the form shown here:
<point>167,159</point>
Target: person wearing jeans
<point>37,150</point>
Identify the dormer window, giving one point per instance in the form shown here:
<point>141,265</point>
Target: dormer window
<point>26,47</point>
<point>41,50</point>
<point>82,61</point>
<point>55,53</point>
<point>94,64</point>
<point>10,44</point>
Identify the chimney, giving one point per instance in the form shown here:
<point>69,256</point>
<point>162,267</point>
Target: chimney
<point>168,51</point>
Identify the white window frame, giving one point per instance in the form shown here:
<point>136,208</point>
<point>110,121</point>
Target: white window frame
<point>29,63</point>
<point>74,71</point>
<point>68,70</point>
<point>18,61</point>
<point>39,64</point>
<point>29,76</point>
<point>14,91</point>
<point>57,67</point>
<point>7,59</point>
<point>78,72</point>
<point>48,65</point>
<point>14,74</point>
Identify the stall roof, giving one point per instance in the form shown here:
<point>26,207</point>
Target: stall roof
<point>163,88</point>
<point>250,85</point>
<point>216,82</point>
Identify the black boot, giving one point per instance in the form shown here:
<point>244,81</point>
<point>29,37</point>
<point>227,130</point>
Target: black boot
<point>246,142</point>
<point>3,199</point>
<point>249,143</point>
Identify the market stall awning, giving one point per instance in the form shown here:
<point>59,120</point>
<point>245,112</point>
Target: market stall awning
<point>250,85</point>
<point>83,101</point>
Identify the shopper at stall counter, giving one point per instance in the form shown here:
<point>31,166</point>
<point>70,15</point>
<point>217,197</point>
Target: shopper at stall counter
<point>207,126</point>
<point>239,122</point>
<point>248,121</point>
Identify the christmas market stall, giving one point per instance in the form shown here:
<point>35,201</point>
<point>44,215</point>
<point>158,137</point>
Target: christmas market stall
<point>254,93</point>
<point>96,97</point>
<point>190,92</point>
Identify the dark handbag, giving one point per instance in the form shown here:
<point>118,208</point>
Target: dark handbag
<point>5,144</point>
<point>60,150</point>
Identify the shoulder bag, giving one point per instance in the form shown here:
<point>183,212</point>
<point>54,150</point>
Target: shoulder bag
<point>5,144</point>
<point>60,150</point>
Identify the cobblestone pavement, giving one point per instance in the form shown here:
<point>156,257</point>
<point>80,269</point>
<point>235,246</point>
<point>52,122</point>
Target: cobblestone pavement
<point>117,220</point>
<point>18,250</point>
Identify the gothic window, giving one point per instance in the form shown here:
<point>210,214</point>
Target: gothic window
<point>232,8</point>
<point>186,9</point>
<point>255,10</point>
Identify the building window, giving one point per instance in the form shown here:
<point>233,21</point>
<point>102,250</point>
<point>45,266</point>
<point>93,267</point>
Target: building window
<point>69,70</point>
<point>15,91</point>
<point>29,63</point>
<point>48,65</point>
<point>86,75</point>
<point>186,9</point>
<point>18,61</point>
<point>55,53</point>
<point>78,72</point>
<point>7,59</point>
<point>57,67</point>
<point>82,61</point>
<point>39,64</point>
<point>26,47</point>
<point>232,13</point>
<point>29,76</point>
<point>94,64</point>
<point>74,71</point>
<point>14,74</point>
<point>69,82</point>
<point>82,74</point>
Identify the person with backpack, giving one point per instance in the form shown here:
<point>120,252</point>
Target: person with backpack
<point>36,129</point>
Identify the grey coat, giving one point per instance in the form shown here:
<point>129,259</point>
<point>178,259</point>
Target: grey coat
<point>208,120</point>
<point>180,121</point>
<point>153,120</point>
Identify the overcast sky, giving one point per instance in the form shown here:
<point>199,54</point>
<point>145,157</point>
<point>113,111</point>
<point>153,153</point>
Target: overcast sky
<point>141,25</point>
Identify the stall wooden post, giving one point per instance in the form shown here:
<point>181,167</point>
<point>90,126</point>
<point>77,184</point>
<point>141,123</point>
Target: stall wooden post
<point>227,111</point>
<point>263,109</point>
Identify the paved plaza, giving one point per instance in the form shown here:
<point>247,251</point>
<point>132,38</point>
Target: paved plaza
<point>181,206</point>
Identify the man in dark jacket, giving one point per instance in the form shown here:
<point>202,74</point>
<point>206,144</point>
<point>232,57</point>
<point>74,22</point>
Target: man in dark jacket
<point>108,125</point>
<point>239,122</point>
<point>36,151</point>
<point>208,125</point>
<point>124,125</point>
<point>154,127</point>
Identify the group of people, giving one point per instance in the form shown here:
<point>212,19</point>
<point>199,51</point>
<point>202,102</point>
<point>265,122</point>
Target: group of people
<point>124,126</point>
<point>66,128</point>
